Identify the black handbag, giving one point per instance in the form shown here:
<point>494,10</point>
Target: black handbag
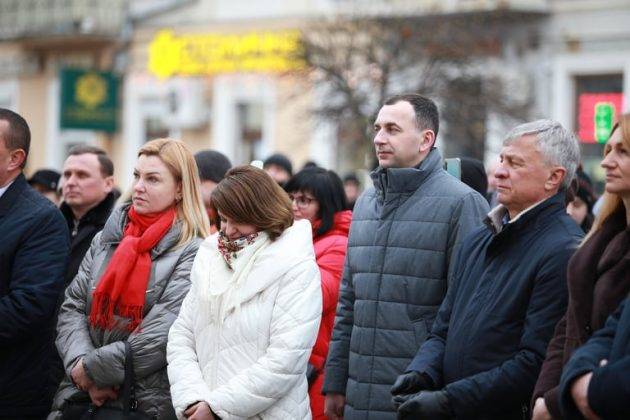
<point>85,410</point>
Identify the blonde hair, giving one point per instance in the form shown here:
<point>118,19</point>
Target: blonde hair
<point>611,203</point>
<point>181,164</point>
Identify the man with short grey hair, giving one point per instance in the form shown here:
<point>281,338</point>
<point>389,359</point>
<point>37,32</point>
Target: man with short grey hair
<point>507,292</point>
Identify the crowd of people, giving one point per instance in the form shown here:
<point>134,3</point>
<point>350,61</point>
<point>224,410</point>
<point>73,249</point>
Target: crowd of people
<point>209,291</point>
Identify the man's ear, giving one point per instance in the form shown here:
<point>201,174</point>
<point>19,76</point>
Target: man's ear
<point>109,184</point>
<point>555,178</point>
<point>427,140</point>
<point>16,159</point>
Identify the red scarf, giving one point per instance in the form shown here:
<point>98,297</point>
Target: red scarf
<point>124,283</point>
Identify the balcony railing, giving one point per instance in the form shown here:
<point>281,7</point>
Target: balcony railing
<point>42,18</point>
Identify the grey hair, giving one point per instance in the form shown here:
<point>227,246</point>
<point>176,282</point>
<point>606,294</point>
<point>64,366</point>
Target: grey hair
<point>557,145</point>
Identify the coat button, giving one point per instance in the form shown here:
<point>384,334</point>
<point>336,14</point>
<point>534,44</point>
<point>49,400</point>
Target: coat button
<point>588,330</point>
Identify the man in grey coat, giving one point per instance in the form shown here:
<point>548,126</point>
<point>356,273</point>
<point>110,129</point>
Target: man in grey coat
<point>404,231</point>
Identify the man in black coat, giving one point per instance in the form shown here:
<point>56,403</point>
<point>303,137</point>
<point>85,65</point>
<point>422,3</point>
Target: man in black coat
<point>88,200</point>
<point>596,381</point>
<point>506,293</point>
<point>33,256</point>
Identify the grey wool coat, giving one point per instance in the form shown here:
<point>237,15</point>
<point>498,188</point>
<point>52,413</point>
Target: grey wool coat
<point>103,352</point>
<point>403,233</point>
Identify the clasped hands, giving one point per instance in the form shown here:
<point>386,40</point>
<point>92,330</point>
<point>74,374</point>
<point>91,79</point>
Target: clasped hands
<point>99,396</point>
<point>413,398</point>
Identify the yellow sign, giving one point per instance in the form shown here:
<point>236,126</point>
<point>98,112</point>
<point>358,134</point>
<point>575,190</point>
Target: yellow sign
<point>91,90</point>
<point>199,54</point>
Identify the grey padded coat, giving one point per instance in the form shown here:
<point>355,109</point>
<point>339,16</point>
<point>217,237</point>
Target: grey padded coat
<point>403,233</point>
<point>103,352</point>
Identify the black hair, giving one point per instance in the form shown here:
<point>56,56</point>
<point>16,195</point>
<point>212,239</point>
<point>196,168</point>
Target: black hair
<point>427,115</point>
<point>18,135</point>
<point>326,187</point>
<point>212,165</point>
<point>280,160</point>
<point>107,166</point>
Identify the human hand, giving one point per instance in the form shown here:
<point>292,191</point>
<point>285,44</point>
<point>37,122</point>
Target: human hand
<point>579,393</point>
<point>409,383</point>
<point>79,376</point>
<point>333,406</point>
<point>199,411</point>
<point>425,404</point>
<point>100,396</point>
<point>540,410</point>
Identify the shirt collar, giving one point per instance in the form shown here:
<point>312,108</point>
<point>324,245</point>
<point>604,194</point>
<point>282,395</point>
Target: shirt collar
<point>5,188</point>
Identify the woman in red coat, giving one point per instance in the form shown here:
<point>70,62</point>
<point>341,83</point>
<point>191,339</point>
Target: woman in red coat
<point>318,196</point>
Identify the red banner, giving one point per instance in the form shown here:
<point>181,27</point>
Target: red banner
<point>597,113</point>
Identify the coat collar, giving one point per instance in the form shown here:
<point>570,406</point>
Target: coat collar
<point>498,216</point>
<point>96,215</point>
<point>406,180</point>
<point>113,231</point>
<point>271,263</point>
<point>12,193</point>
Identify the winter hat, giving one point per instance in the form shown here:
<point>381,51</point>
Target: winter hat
<point>281,161</point>
<point>47,178</point>
<point>474,175</point>
<point>212,165</point>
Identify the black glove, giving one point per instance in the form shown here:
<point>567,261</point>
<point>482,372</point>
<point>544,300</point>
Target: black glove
<point>311,374</point>
<point>426,405</point>
<point>411,382</point>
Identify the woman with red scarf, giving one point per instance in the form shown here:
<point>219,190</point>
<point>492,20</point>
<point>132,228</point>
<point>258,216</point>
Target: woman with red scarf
<point>130,286</point>
<point>319,197</point>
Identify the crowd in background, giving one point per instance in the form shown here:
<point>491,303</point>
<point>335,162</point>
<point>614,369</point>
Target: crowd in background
<point>209,291</point>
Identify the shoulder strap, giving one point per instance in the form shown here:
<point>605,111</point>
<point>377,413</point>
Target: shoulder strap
<point>128,392</point>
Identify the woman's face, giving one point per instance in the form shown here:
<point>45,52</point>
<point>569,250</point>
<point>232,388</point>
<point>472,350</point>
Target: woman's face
<point>154,187</point>
<point>234,230</point>
<point>617,166</point>
<point>305,206</point>
<point>577,209</point>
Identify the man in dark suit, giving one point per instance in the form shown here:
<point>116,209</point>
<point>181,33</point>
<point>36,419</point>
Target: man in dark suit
<point>33,256</point>
<point>88,199</point>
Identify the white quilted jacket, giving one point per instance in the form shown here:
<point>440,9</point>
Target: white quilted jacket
<point>246,354</point>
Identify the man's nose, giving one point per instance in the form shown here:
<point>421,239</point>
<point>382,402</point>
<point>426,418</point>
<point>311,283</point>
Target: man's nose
<point>500,171</point>
<point>380,138</point>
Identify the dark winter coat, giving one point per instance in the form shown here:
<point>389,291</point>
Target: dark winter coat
<point>33,255</point>
<point>598,279</point>
<point>609,388</point>
<point>403,233</point>
<point>81,235</point>
<point>509,291</point>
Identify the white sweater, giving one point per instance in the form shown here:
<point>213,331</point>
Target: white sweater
<point>242,345</point>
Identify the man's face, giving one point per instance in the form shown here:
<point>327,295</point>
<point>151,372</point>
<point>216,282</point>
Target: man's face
<point>84,186</point>
<point>207,187</point>
<point>5,157</point>
<point>278,173</point>
<point>398,140</point>
<point>10,160</point>
<point>522,175</point>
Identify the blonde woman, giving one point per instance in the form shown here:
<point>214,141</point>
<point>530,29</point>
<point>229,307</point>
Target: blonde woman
<point>241,343</point>
<point>130,286</point>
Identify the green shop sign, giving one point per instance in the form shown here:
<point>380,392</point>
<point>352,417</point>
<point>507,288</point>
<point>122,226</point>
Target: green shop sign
<point>89,100</point>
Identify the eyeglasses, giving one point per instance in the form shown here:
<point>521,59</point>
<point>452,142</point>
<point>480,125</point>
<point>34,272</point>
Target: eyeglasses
<point>301,200</point>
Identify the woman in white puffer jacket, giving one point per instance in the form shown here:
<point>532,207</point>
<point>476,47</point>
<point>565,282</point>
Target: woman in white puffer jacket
<point>240,346</point>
